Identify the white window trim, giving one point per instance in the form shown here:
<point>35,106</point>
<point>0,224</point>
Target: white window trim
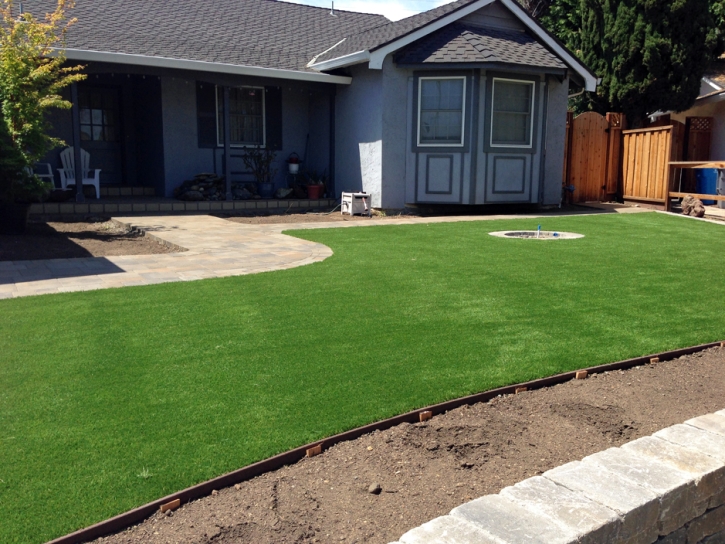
<point>463,112</point>
<point>533,103</point>
<point>264,117</point>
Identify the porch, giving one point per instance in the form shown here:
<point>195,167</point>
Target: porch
<point>149,129</point>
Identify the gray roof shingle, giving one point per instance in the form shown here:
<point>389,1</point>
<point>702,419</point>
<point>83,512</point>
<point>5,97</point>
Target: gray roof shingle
<point>460,43</point>
<point>380,35</point>
<point>264,33</point>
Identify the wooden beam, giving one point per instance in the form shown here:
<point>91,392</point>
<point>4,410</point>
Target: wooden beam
<point>76,121</point>
<point>718,165</point>
<point>227,147</point>
<point>697,195</point>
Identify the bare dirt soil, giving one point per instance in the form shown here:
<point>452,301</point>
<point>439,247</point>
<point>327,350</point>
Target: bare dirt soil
<point>426,469</point>
<point>100,238</point>
<point>315,217</point>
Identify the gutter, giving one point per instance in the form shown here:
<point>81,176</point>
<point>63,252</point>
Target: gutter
<point>201,66</point>
<point>342,62</point>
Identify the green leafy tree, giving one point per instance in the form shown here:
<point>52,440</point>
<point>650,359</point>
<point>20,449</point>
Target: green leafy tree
<point>32,77</point>
<point>650,54</point>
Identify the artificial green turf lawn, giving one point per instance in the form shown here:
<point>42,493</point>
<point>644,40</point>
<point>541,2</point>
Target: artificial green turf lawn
<point>181,382</point>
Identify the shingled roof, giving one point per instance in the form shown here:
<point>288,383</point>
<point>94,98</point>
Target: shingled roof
<point>264,33</point>
<point>461,43</point>
<point>380,35</point>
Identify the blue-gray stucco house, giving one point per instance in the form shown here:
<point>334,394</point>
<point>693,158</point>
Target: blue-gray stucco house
<point>463,104</point>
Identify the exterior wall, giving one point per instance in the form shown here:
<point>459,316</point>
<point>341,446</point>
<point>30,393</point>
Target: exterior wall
<point>395,135</point>
<point>494,16</point>
<point>301,106</point>
<point>318,148</point>
<point>182,156</point>
<point>359,134</point>
<point>716,110</point>
<point>554,140</point>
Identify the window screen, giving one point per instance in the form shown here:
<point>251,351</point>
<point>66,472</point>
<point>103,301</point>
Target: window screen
<point>512,112</point>
<point>440,112</point>
<point>246,115</point>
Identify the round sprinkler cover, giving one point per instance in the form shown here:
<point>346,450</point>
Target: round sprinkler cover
<point>537,234</point>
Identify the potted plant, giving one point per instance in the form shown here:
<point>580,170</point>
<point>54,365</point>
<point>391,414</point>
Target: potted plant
<point>293,163</point>
<point>31,79</point>
<point>259,162</point>
<point>315,184</point>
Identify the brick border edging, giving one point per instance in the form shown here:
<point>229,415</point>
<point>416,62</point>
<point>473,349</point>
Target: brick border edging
<point>136,515</point>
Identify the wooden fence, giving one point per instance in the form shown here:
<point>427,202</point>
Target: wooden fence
<point>646,154</point>
<point>592,148</point>
<point>604,161</point>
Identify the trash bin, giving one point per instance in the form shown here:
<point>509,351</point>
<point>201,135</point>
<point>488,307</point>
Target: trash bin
<point>707,183</point>
<point>721,188</point>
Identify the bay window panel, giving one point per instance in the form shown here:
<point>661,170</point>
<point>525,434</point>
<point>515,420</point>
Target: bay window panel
<point>440,115</point>
<point>512,113</point>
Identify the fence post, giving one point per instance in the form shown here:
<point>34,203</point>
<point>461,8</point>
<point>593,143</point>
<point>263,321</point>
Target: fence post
<point>617,123</point>
<point>567,148</point>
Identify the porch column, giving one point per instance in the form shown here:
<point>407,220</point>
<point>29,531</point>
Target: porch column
<point>331,189</point>
<point>76,116</point>
<point>227,147</point>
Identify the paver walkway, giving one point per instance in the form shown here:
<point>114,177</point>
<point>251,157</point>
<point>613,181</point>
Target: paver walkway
<point>216,248</point>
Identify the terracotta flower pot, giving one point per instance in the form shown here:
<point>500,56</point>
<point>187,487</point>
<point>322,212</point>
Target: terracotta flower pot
<point>314,192</point>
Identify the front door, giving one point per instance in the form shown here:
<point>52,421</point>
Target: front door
<point>100,113</point>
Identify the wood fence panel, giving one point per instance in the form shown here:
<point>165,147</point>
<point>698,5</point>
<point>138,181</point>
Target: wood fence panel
<point>588,160</point>
<point>646,170</point>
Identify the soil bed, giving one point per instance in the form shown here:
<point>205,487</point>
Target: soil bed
<point>426,469</point>
<point>100,238</point>
<point>314,217</point>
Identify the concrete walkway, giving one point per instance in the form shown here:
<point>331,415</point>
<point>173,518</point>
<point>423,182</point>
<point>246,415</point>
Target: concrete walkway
<point>215,248</point>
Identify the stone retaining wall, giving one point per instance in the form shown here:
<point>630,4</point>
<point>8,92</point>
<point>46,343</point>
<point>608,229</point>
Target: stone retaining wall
<point>668,488</point>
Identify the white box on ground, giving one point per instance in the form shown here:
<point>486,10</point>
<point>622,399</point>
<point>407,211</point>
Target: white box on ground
<point>355,204</point>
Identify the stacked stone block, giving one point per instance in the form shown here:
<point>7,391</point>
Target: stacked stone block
<point>667,488</point>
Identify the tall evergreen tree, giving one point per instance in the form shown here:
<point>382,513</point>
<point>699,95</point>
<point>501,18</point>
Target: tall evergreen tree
<point>650,54</point>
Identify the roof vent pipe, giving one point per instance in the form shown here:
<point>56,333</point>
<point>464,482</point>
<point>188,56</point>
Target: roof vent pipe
<point>332,9</point>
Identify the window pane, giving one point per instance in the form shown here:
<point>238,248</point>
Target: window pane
<point>98,134</point>
<point>441,110</point>
<point>512,96</point>
<point>512,112</point>
<point>97,117</point>
<point>245,115</point>
<point>511,128</point>
<point>85,116</point>
<point>85,132</point>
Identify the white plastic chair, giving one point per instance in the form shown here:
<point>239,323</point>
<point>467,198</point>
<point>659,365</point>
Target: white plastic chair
<point>44,171</point>
<point>41,170</point>
<point>68,172</point>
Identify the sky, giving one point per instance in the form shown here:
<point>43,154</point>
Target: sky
<point>392,9</point>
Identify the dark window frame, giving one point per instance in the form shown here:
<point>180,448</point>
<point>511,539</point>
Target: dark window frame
<point>220,121</point>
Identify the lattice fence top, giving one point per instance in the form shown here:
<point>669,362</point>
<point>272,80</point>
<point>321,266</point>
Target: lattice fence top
<point>703,124</point>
